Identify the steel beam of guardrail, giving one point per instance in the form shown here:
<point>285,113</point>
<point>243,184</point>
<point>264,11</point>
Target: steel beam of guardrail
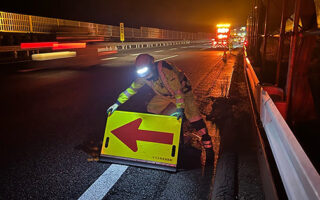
<point>299,177</point>
<point>138,45</point>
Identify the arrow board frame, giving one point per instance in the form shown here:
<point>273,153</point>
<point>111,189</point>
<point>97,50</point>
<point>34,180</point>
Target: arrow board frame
<point>141,139</point>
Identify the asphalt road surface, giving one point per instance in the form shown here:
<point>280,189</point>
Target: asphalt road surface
<point>52,126</point>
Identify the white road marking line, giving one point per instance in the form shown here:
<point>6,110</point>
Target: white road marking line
<point>111,58</point>
<point>173,49</point>
<point>159,51</point>
<point>104,183</point>
<point>166,58</point>
<point>135,54</point>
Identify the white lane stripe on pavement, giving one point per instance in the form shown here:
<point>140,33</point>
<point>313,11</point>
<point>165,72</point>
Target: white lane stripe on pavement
<point>159,51</point>
<point>173,49</point>
<point>111,58</point>
<point>166,58</point>
<point>104,183</point>
<point>135,54</point>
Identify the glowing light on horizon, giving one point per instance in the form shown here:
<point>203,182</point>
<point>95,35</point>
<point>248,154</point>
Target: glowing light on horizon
<point>223,25</point>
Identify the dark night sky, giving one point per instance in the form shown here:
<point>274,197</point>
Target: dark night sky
<point>183,15</point>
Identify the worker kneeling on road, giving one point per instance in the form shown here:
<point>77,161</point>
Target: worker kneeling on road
<point>171,86</point>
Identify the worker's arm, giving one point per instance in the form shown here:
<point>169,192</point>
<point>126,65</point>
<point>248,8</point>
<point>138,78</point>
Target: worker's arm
<point>130,91</point>
<point>179,96</point>
<point>175,87</point>
<point>125,95</point>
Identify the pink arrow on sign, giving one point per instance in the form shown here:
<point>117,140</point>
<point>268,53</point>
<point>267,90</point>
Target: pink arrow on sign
<point>130,133</point>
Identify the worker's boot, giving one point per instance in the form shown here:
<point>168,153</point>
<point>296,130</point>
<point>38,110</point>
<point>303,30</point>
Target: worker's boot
<point>209,153</point>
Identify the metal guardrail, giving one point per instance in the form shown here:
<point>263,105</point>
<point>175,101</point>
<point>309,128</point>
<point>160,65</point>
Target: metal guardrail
<point>299,177</point>
<point>138,45</point>
<point>19,23</point>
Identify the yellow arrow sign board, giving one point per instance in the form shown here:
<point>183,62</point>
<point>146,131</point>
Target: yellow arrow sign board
<point>142,139</point>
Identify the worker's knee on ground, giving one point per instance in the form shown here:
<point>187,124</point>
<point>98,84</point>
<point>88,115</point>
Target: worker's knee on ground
<point>158,108</point>
<point>158,104</point>
<point>149,108</point>
<point>190,108</point>
<point>171,108</point>
<point>153,109</point>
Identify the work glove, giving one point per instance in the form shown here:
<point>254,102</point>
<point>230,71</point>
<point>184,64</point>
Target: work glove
<point>179,113</point>
<point>112,108</point>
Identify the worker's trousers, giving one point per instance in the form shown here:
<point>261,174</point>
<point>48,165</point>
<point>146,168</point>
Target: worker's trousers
<point>159,104</point>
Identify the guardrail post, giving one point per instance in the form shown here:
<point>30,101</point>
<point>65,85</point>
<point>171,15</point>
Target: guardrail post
<point>281,40</point>
<point>265,35</point>
<point>293,52</point>
<point>1,22</point>
<point>30,24</point>
<point>251,28</point>
<point>256,38</point>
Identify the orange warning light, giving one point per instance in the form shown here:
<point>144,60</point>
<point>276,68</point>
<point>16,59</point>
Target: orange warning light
<point>223,25</point>
<point>223,30</point>
<point>222,36</point>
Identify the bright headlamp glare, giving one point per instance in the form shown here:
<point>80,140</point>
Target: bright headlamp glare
<point>143,71</point>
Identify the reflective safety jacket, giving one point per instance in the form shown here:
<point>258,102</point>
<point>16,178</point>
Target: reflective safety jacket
<point>167,81</point>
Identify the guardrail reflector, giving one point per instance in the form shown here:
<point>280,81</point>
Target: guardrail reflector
<point>140,139</point>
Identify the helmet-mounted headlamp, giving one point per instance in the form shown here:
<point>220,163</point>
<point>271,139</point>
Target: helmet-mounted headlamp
<point>143,71</point>
<point>144,64</point>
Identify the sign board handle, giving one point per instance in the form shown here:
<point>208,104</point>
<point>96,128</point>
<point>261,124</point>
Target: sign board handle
<point>173,152</point>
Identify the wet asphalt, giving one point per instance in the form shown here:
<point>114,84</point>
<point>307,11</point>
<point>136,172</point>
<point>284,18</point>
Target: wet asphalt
<point>52,126</point>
